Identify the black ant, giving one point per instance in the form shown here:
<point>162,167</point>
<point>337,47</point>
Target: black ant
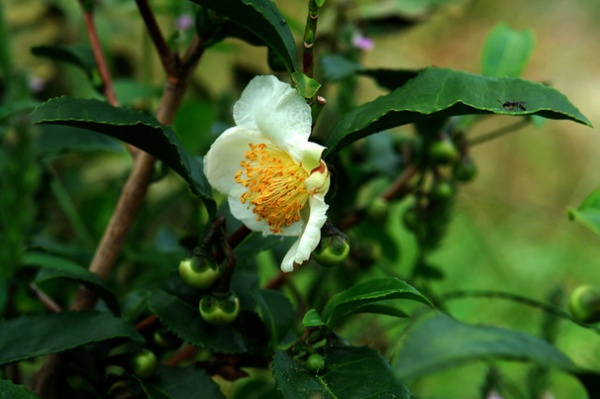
<point>510,105</point>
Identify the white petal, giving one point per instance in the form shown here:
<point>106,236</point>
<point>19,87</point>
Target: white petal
<point>222,161</point>
<point>308,241</point>
<point>287,265</point>
<point>276,110</point>
<point>245,215</point>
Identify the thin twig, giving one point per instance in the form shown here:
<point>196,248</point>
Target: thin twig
<point>310,33</point>
<point>552,309</point>
<point>168,59</point>
<point>109,91</point>
<point>497,133</point>
<point>45,299</point>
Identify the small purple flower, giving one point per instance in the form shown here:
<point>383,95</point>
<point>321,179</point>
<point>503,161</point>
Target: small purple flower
<point>184,22</point>
<point>362,42</point>
<point>36,83</point>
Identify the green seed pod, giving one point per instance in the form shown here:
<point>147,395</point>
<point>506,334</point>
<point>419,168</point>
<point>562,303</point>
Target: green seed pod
<point>219,308</point>
<point>443,152</point>
<point>465,170</point>
<point>315,363</point>
<point>442,190</point>
<point>199,271</point>
<point>332,250</point>
<point>143,363</point>
<point>584,304</point>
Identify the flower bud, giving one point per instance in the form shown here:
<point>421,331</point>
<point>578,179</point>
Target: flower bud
<point>584,304</point>
<point>332,250</point>
<point>219,308</point>
<point>199,271</point>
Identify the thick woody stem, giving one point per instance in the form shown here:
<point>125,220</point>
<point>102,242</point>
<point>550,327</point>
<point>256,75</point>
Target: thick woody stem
<point>130,201</point>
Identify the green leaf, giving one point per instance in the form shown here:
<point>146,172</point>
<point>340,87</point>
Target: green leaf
<point>350,372</point>
<point>312,319</point>
<point>440,93</point>
<point>31,336</point>
<point>56,139</point>
<point>53,267</point>
<point>276,311</point>
<point>307,87</point>
<point>133,127</point>
<point>79,55</point>
<point>350,301</point>
<point>506,51</point>
<point>441,342</point>
<point>588,213</point>
<point>262,18</point>
<point>9,109</point>
<point>9,390</point>
<point>184,321</point>
<point>388,309</point>
<point>180,383</point>
<point>335,68</point>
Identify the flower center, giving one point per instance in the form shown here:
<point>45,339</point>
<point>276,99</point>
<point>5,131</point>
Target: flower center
<point>275,184</point>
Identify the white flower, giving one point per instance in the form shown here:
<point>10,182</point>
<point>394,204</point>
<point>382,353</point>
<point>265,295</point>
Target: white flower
<point>274,177</point>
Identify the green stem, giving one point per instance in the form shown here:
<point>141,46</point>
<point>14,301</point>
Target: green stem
<point>498,133</point>
<point>310,32</point>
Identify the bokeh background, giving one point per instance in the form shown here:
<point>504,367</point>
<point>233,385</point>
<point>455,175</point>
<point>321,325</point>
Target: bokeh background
<point>511,230</point>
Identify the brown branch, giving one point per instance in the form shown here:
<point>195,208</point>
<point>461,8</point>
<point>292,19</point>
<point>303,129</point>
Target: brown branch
<point>45,299</point>
<point>169,60</point>
<point>129,203</point>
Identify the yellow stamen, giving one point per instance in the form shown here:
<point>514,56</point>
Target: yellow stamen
<point>275,186</point>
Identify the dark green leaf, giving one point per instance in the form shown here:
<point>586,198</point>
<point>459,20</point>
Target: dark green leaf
<point>312,319</point>
<point>133,127</point>
<point>181,383</point>
<point>9,390</point>
<point>335,68</point>
<point>588,213</point>
<point>184,321</point>
<point>55,139</point>
<point>348,302</point>
<point>31,336</point>
<point>276,311</point>
<point>262,18</point>
<point>13,107</point>
<point>350,373</point>
<point>53,267</point>
<point>79,55</point>
<point>258,388</point>
<point>440,93</point>
<point>441,342</point>
<point>506,51</point>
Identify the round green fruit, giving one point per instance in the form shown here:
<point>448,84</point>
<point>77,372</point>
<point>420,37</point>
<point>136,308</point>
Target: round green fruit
<point>442,190</point>
<point>584,304</point>
<point>465,170</point>
<point>198,272</point>
<point>332,250</point>
<point>143,363</point>
<point>315,363</point>
<point>219,308</point>
<point>443,152</point>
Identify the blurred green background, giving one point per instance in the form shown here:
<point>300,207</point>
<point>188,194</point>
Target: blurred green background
<point>511,230</point>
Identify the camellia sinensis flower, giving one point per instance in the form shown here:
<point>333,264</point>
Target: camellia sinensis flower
<point>273,176</point>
